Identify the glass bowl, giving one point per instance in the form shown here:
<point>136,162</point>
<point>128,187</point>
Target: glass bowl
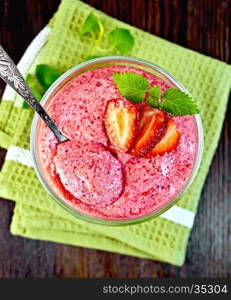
<point>99,63</point>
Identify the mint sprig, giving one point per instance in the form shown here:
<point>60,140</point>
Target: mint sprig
<point>46,75</point>
<point>154,96</point>
<point>137,89</point>
<point>40,81</point>
<point>119,39</point>
<point>35,87</point>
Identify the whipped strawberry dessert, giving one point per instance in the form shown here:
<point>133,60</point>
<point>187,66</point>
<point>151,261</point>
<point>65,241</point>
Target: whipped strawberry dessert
<point>124,159</point>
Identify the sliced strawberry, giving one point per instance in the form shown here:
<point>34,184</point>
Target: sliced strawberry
<point>121,120</point>
<point>150,129</point>
<point>169,140</point>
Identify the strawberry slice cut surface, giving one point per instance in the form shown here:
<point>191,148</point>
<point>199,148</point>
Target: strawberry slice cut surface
<point>168,142</point>
<point>151,126</point>
<point>121,123</point>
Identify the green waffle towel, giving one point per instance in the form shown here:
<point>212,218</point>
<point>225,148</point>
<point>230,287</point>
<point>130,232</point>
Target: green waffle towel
<point>38,216</point>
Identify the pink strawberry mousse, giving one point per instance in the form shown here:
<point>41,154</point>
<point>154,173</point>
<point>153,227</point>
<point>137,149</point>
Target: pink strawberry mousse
<point>87,175</point>
<point>89,172</point>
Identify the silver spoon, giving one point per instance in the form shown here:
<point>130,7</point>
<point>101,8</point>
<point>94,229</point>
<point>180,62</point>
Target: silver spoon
<point>12,76</point>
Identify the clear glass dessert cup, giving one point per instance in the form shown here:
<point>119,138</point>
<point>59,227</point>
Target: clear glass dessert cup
<point>99,63</point>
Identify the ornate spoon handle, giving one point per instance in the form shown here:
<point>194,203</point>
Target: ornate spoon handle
<point>12,76</point>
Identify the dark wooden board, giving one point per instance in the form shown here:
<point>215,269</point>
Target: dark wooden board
<point>202,25</point>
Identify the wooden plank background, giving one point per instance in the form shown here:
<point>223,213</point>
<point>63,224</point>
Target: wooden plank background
<point>202,25</point>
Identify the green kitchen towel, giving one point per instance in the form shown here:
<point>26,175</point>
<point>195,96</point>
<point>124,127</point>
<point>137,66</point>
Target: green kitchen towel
<point>38,216</point>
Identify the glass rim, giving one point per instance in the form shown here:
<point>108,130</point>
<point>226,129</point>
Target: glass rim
<point>115,222</point>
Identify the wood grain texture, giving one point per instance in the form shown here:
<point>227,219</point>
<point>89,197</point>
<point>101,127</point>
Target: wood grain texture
<point>202,25</point>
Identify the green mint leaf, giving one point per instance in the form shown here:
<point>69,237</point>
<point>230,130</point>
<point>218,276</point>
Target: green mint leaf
<point>46,75</point>
<point>154,97</point>
<point>35,87</point>
<point>155,92</point>
<point>91,24</point>
<point>178,103</point>
<point>25,105</point>
<point>38,95</point>
<point>121,39</point>
<point>131,86</point>
<point>152,101</point>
